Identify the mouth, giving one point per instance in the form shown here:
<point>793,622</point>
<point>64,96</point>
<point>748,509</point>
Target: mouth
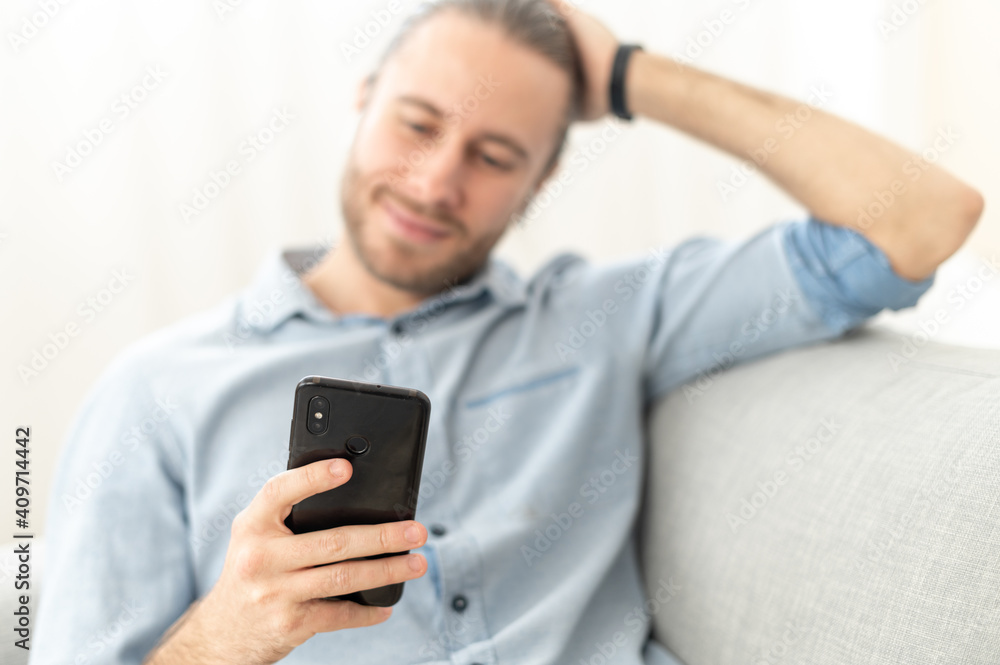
<point>413,227</point>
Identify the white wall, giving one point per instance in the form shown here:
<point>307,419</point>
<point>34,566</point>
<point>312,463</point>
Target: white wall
<point>228,65</point>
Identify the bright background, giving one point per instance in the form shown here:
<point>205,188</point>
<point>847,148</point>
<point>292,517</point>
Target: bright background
<point>229,64</point>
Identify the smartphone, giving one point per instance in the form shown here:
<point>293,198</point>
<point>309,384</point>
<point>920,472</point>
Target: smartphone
<point>382,430</point>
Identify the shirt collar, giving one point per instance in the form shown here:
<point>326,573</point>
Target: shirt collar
<point>277,293</point>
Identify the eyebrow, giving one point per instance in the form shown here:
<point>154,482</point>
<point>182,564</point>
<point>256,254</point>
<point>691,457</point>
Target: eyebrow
<point>489,136</point>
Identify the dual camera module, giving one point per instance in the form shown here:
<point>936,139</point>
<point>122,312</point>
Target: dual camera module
<point>319,422</point>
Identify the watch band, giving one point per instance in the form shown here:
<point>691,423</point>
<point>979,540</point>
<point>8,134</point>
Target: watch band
<point>618,70</point>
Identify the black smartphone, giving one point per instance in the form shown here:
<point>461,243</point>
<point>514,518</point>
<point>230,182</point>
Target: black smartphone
<point>382,430</point>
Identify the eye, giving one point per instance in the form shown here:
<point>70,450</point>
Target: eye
<point>495,163</point>
<point>417,127</point>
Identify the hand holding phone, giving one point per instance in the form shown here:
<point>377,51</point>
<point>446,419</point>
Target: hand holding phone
<point>265,602</point>
<point>382,430</point>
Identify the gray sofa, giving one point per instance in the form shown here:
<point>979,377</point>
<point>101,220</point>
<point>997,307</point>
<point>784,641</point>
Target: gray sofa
<point>836,504</point>
<point>830,505</point>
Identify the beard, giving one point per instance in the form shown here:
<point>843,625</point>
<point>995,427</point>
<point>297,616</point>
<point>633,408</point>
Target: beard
<point>410,268</point>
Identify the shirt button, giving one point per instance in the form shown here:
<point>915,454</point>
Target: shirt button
<point>438,530</point>
<point>459,603</point>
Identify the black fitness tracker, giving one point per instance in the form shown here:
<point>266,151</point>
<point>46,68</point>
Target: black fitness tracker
<point>618,106</point>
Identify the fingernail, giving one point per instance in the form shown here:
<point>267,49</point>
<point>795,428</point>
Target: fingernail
<point>336,468</point>
<point>414,562</point>
<point>412,533</point>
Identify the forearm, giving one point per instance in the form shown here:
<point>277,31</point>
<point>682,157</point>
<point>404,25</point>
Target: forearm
<point>835,168</point>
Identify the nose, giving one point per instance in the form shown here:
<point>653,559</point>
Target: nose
<point>437,180</point>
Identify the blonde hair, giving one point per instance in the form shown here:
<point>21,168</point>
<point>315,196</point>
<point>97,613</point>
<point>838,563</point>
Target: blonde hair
<point>535,24</point>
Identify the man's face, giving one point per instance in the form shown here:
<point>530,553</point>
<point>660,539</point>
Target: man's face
<point>456,132</point>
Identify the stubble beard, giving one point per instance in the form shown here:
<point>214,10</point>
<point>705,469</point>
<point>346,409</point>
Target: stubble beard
<point>399,271</point>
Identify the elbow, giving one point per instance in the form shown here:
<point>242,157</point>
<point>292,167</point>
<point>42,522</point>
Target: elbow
<point>966,208</point>
<point>974,204</point>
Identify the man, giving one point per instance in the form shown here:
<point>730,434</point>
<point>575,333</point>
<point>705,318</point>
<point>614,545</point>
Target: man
<point>532,475</point>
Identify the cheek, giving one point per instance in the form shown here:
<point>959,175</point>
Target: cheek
<point>377,148</point>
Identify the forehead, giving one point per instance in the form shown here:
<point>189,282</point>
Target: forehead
<point>456,62</point>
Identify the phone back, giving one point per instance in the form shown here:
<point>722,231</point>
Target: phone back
<point>382,430</point>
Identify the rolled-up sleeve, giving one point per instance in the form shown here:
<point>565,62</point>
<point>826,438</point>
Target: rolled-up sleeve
<point>845,277</point>
<point>118,572</point>
<point>719,303</point>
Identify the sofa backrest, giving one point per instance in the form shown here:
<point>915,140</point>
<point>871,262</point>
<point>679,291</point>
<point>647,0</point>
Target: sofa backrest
<point>833,504</point>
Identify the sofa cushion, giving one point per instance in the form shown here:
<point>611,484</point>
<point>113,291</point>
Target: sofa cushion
<point>832,504</point>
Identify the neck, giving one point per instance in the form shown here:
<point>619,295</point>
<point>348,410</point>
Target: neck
<point>342,283</point>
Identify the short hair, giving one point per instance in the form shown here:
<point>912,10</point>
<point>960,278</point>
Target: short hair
<point>536,24</point>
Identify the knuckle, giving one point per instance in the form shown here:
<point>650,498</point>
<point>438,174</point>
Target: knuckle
<point>239,525</point>
<point>249,563</point>
<point>259,595</point>
<point>334,543</point>
<point>390,570</point>
<point>271,490</point>
<point>289,622</point>
<point>353,614</point>
<point>342,576</point>
<point>386,540</point>
<point>311,475</point>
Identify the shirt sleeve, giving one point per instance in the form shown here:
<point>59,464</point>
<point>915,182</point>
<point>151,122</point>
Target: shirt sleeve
<point>844,276</point>
<point>118,572</point>
<point>720,303</point>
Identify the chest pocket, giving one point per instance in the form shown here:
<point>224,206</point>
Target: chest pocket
<point>540,383</point>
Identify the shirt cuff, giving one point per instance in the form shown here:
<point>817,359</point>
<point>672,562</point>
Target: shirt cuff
<point>843,275</point>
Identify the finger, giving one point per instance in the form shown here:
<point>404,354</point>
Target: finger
<point>325,616</point>
<point>275,499</point>
<point>346,542</point>
<point>345,577</point>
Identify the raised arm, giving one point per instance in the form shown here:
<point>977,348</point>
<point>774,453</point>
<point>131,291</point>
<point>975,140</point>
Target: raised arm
<point>842,173</point>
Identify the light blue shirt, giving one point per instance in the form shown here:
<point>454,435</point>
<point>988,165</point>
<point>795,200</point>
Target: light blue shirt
<point>532,475</point>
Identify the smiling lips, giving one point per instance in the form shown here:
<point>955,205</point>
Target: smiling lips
<point>413,227</point>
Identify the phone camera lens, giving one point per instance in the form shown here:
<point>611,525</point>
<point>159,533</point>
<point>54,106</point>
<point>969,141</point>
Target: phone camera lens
<point>319,412</point>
